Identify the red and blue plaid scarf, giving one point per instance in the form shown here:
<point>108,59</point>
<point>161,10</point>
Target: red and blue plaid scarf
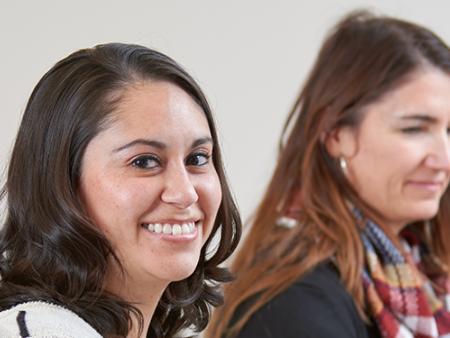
<point>403,300</point>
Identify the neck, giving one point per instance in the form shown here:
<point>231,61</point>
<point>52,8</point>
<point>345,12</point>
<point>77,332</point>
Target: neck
<point>396,228</point>
<point>147,310</point>
<point>143,296</point>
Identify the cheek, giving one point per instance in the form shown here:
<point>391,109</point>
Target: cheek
<point>112,201</point>
<point>393,159</point>
<point>210,196</point>
<point>97,200</point>
<point>215,194</point>
<point>381,168</point>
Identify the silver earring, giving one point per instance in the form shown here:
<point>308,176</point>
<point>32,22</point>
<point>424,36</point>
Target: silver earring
<point>343,163</point>
<point>286,222</point>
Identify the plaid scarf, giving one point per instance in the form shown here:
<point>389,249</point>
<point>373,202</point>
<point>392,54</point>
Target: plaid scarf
<point>402,298</point>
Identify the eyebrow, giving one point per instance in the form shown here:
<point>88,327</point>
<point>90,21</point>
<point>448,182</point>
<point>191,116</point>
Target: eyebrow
<point>160,145</point>
<point>142,141</point>
<point>419,117</point>
<point>201,141</point>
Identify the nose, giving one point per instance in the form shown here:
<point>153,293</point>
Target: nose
<point>439,158</point>
<point>179,189</point>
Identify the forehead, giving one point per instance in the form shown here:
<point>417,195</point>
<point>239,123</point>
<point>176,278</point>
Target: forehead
<point>158,107</point>
<point>424,92</point>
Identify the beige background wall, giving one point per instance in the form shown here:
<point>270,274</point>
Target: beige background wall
<point>250,56</point>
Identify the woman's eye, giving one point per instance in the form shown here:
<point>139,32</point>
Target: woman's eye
<point>146,162</point>
<point>198,159</point>
<point>412,130</point>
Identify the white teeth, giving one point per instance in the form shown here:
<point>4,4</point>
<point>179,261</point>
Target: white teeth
<point>186,229</point>
<point>171,229</point>
<point>167,229</point>
<point>176,230</point>
<point>158,228</point>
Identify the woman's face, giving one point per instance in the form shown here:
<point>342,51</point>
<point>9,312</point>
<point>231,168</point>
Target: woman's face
<point>149,183</point>
<point>398,159</point>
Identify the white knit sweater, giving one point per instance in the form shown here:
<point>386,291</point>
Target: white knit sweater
<point>43,320</point>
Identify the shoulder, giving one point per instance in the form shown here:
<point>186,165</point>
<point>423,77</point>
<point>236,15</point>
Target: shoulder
<point>317,305</point>
<point>41,319</point>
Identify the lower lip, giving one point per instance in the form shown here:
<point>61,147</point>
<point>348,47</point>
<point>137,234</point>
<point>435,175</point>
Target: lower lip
<point>431,187</point>
<point>177,238</point>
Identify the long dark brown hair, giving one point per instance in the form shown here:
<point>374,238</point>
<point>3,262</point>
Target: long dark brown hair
<point>49,249</point>
<point>363,57</point>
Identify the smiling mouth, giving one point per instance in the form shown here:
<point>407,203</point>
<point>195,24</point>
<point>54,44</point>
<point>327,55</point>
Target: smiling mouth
<point>427,185</point>
<point>187,228</point>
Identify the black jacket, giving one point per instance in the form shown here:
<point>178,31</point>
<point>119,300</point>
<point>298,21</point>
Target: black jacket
<point>316,306</point>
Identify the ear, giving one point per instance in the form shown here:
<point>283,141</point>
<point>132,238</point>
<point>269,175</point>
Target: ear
<point>341,142</point>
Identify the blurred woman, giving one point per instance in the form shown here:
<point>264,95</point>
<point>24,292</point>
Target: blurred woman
<point>114,191</point>
<point>352,236</point>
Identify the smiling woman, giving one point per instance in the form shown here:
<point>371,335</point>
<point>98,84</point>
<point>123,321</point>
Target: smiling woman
<point>352,236</point>
<point>164,191</point>
<point>405,137</point>
<point>114,192</point>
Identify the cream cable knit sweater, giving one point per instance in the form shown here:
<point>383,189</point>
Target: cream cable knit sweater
<point>43,320</point>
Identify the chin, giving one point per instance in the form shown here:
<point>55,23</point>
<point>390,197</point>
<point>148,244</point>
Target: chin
<point>424,212</point>
<point>181,276</point>
<point>182,272</point>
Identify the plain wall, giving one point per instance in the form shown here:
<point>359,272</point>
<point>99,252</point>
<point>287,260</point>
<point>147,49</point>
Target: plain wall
<point>250,57</point>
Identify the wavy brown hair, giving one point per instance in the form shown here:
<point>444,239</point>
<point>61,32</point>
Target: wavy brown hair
<point>49,248</point>
<point>363,57</point>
